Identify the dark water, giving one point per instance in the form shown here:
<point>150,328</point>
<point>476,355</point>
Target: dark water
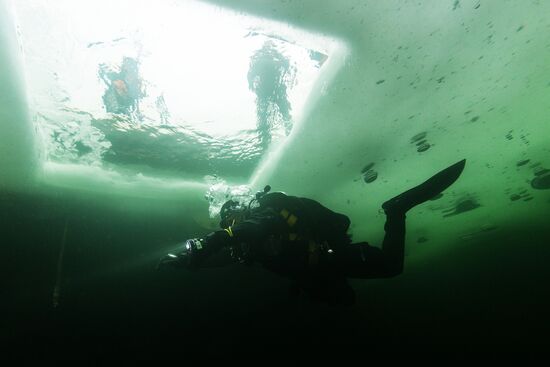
<point>490,292</point>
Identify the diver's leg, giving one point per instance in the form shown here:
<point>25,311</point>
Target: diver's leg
<point>427,190</point>
<point>364,261</point>
<point>393,246</point>
<point>361,260</point>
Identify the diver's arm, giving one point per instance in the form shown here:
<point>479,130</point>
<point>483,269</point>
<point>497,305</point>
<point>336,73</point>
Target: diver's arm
<point>362,260</point>
<point>252,231</point>
<point>257,228</point>
<point>207,247</point>
<point>196,251</point>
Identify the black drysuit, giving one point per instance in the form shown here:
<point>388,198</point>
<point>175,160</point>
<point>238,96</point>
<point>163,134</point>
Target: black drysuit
<point>301,239</point>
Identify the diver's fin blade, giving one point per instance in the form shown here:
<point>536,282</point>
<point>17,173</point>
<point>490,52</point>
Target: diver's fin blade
<point>426,190</point>
<point>443,179</point>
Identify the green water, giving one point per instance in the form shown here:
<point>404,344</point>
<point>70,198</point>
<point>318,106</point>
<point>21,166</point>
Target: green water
<point>418,86</point>
<point>491,289</point>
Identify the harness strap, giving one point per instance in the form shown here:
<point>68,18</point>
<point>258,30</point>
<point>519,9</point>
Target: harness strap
<point>291,219</point>
<point>313,247</point>
<point>229,231</point>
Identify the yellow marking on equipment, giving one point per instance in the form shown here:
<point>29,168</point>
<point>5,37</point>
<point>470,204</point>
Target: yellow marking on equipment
<point>229,231</point>
<point>292,220</point>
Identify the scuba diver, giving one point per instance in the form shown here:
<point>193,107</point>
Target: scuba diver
<point>301,239</point>
<point>124,88</point>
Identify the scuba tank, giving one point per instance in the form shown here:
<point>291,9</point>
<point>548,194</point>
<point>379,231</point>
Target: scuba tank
<point>231,207</point>
<point>259,195</point>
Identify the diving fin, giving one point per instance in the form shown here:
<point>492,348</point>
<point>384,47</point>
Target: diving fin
<point>425,191</point>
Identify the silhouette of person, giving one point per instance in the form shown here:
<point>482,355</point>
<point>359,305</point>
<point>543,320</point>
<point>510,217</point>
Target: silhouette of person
<point>303,240</point>
<point>124,88</point>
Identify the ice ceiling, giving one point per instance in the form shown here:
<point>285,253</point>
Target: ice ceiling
<point>392,91</point>
<point>175,87</point>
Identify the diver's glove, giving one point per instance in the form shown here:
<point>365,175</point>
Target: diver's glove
<point>196,251</point>
<point>189,257</point>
